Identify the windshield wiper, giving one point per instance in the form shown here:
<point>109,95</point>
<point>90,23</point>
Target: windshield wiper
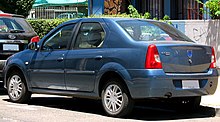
<point>16,31</point>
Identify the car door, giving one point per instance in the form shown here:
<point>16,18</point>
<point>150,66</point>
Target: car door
<point>47,65</point>
<point>82,60</point>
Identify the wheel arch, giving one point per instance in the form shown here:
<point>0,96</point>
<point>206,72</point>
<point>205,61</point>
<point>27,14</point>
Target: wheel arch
<point>14,68</point>
<point>116,71</point>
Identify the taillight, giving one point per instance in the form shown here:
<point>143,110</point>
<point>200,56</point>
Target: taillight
<point>213,60</point>
<point>153,58</point>
<point>5,15</point>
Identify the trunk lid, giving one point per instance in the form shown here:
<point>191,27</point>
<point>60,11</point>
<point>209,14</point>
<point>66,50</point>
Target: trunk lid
<point>184,57</point>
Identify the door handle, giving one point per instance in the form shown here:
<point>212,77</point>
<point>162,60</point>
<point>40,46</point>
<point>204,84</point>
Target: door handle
<point>99,57</point>
<point>60,59</point>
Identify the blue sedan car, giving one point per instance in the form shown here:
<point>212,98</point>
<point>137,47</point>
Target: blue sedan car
<point>117,60</point>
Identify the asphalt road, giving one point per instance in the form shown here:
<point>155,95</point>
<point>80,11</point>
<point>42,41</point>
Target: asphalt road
<point>46,108</point>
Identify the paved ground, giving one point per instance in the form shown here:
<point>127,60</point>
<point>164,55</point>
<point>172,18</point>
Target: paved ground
<point>46,108</point>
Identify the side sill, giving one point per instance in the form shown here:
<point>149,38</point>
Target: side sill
<point>79,94</point>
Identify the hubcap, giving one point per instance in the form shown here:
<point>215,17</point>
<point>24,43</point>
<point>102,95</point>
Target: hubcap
<point>15,87</point>
<point>113,98</point>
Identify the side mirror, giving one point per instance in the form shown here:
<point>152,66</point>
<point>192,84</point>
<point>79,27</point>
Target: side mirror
<point>35,39</point>
<point>33,44</point>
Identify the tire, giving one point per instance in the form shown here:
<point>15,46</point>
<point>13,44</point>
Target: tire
<point>17,88</point>
<point>116,100</point>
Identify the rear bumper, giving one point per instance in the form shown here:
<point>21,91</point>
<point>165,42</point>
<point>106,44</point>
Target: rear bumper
<point>158,84</point>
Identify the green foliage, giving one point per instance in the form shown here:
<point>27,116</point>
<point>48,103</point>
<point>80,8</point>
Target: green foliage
<point>166,17</point>
<point>21,7</point>
<point>147,15</point>
<point>213,6</point>
<point>155,18</point>
<point>133,12</point>
<point>124,15</point>
<point>217,13</point>
<point>44,26</point>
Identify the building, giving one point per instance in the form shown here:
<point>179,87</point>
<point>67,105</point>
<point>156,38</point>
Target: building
<point>176,9</point>
<point>50,9</point>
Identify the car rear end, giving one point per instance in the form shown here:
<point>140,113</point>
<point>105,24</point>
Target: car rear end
<point>174,67</point>
<point>181,70</point>
<point>15,34</point>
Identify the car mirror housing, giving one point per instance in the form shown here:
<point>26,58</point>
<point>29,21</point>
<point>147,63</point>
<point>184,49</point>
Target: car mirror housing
<point>33,44</point>
<point>35,39</point>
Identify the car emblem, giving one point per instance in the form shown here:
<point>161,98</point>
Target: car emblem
<point>11,36</point>
<point>189,55</point>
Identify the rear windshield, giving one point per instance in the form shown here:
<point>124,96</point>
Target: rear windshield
<point>142,30</point>
<point>8,24</point>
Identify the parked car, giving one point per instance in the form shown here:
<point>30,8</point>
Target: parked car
<point>15,34</point>
<point>111,60</point>
<point>66,15</point>
<point>70,15</point>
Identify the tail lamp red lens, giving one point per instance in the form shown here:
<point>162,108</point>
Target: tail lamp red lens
<point>213,59</point>
<point>153,58</point>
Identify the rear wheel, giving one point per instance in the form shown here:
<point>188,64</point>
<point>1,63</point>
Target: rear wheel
<point>116,100</point>
<point>17,88</point>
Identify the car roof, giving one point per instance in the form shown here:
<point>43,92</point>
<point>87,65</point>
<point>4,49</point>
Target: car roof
<point>106,18</point>
<point>118,19</point>
<point>10,15</point>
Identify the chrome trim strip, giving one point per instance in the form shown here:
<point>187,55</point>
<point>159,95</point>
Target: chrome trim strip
<point>69,71</point>
<point>192,74</point>
<point>57,71</point>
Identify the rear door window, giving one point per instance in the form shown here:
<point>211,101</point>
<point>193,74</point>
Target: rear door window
<point>90,35</point>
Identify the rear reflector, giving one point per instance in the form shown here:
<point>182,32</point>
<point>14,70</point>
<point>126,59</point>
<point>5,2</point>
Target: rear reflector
<point>213,59</point>
<point>153,58</point>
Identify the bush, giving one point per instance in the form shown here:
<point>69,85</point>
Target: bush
<point>44,26</point>
<point>147,15</point>
<point>133,12</point>
<point>124,15</point>
<point>213,6</point>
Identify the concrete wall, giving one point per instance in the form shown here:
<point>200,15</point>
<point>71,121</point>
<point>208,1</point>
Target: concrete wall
<point>203,32</point>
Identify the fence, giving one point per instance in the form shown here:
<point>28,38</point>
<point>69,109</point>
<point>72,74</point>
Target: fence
<point>53,12</point>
